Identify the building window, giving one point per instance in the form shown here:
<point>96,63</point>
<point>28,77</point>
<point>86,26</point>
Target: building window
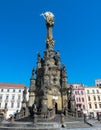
<point>97,91</point>
<point>12,105</point>
<point>20,91</point>
<point>75,92</point>
<point>82,92</point>
<point>18,105</point>
<point>98,98</point>
<point>95,106</point>
<point>13,97</point>
<point>83,106</point>
<point>88,91</point>
<point>14,90</point>
<point>5,105</point>
<point>82,99</point>
<point>1,90</point>
<point>88,98</point>
<point>7,97</point>
<point>93,91</point>
<point>7,90</point>
<point>0,96</point>
<point>99,105</point>
<point>79,100</point>
<point>90,106</point>
<point>19,97</point>
<point>94,98</point>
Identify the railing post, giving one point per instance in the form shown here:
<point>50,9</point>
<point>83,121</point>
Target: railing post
<point>84,118</point>
<point>35,120</point>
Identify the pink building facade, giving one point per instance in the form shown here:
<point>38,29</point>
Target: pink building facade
<point>80,97</point>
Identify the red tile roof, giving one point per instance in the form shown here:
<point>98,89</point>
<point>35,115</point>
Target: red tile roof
<point>9,85</point>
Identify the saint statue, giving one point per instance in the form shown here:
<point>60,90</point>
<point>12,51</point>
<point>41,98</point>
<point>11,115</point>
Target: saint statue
<point>49,17</point>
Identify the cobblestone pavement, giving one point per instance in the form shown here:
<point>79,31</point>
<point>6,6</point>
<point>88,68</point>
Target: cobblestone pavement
<point>95,123</point>
<point>69,123</point>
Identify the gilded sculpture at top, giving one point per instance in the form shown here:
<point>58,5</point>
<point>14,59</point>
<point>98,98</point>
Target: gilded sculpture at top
<point>49,17</point>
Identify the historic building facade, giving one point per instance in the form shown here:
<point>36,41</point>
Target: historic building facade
<point>80,97</point>
<point>93,96</point>
<point>48,89</point>
<point>11,96</point>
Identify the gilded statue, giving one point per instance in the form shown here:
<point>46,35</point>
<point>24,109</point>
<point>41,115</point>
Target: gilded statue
<point>49,18</point>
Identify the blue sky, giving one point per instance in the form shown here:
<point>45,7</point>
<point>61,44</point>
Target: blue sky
<point>77,33</point>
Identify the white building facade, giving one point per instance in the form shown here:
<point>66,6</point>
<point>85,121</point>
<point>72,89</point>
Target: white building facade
<point>11,96</point>
<point>93,96</point>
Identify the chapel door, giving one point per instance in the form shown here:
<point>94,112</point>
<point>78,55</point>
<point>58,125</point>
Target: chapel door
<point>56,108</point>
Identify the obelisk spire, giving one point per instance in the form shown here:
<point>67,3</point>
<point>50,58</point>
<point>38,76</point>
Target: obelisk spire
<point>49,17</point>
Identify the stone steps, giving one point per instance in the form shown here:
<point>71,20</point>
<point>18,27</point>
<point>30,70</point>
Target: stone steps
<point>76,125</point>
<point>29,126</point>
<point>53,124</point>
